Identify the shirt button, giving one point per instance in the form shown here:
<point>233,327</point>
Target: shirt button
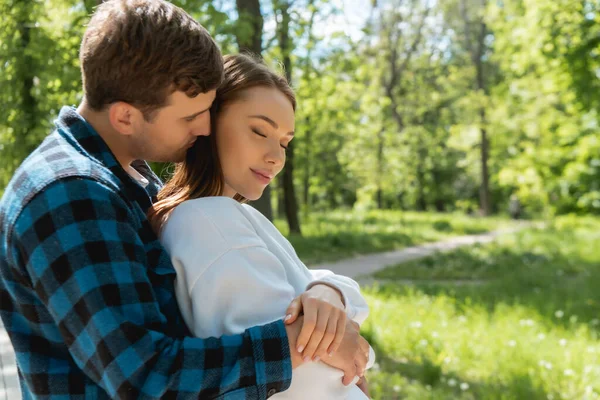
<point>271,392</point>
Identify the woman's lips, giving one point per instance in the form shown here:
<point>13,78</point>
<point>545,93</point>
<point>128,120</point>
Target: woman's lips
<point>263,177</point>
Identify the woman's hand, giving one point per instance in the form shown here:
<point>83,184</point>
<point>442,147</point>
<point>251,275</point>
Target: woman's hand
<point>324,321</point>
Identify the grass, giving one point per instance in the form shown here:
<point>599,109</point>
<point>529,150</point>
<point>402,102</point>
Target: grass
<point>526,328</point>
<point>343,234</point>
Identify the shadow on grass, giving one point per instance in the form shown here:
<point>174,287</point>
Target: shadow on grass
<point>429,377</point>
<point>342,245</point>
<point>547,282</point>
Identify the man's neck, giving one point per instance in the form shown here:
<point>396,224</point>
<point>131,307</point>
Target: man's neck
<point>99,120</point>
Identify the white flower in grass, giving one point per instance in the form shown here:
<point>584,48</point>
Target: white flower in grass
<point>559,314</point>
<point>434,334</point>
<point>545,364</point>
<point>396,388</point>
<point>595,322</point>
<point>423,342</point>
<point>591,349</point>
<point>448,360</point>
<point>526,322</point>
<point>562,342</point>
<point>569,372</point>
<point>462,319</point>
<point>589,390</point>
<point>464,386</point>
<point>416,324</point>
<point>452,382</point>
<point>541,336</point>
<point>512,343</point>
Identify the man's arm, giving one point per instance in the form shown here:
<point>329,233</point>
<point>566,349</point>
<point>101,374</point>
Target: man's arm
<point>87,264</point>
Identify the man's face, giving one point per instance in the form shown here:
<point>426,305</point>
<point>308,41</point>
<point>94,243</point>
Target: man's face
<point>174,128</point>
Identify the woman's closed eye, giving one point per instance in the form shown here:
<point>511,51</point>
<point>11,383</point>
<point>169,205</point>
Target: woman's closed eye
<point>256,131</point>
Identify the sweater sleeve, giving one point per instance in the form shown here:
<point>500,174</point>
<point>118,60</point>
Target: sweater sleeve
<point>356,306</point>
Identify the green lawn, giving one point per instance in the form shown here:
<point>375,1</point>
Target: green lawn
<point>517,319</point>
<point>342,234</point>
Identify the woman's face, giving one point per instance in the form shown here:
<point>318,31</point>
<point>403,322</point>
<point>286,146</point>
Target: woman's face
<point>252,134</point>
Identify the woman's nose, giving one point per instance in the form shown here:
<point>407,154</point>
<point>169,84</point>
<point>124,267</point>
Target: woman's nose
<point>275,155</point>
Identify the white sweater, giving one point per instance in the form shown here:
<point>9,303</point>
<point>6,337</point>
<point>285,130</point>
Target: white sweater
<point>235,270</point>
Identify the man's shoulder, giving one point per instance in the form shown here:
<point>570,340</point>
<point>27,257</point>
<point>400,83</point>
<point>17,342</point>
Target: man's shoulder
<point>55,160</point>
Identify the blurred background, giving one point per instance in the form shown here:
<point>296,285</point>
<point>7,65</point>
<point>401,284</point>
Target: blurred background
<point>419,121</point>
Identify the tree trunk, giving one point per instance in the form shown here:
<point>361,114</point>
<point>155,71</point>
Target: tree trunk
<point>480,84</point>
<point>250,26</point>
<point>380,168</point>
<point>486,204</point>
<point>26,75</point>
<point>307,169</point>
<point>289,192</point>
<point>249,39</point>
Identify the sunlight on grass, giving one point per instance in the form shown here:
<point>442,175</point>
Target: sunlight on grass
<point>529,331</point>
<point>342,234</point>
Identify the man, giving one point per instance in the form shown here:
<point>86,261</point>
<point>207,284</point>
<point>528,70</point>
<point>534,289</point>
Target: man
<point>86,288</point>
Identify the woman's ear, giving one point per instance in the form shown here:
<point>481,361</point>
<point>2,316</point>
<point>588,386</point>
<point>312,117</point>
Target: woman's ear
<point>124,118</point>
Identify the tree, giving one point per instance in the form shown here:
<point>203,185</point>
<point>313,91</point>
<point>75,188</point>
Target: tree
<point>249,31</point>
<point>282,16</point>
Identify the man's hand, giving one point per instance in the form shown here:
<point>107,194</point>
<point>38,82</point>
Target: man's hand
<point>324,321</point>
<point>364,386</point>
<point>293,331</point>
<point>353,354</point>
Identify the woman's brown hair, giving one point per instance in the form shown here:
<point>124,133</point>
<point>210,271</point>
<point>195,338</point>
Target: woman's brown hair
<point>200,175</point>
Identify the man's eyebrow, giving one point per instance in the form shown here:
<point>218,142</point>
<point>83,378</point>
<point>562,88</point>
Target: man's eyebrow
<point>270,121</point>
<point>196,114</point>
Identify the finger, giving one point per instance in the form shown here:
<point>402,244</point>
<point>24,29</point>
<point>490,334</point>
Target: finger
<point>364,345</point>
<point>361,360</point>
<point>364,386</point>
<point>349,375</point>
<point>308,326</point>
<point>317,335</point>
<point>339,337</point>
<point>329,336</point>
<point>293,310</point>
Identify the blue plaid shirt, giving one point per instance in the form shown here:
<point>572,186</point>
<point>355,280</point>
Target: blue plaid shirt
<point>86,289</point>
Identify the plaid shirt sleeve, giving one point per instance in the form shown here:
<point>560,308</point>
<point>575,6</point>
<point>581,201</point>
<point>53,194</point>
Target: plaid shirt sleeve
<point>86,263</point>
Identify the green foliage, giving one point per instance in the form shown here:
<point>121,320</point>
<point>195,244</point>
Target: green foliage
<point>517,319</point>
<point>359,144</point>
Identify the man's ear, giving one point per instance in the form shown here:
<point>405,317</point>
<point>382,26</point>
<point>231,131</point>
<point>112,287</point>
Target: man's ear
<point>124,117</point>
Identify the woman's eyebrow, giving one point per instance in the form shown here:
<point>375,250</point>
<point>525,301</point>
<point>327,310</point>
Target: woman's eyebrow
<point>270,121</point>
<point>267,119</point>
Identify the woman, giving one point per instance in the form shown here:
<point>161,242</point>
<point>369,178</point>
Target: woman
<point>234,268</point>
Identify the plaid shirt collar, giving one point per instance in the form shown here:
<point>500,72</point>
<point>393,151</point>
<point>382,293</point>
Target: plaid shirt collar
<point>77,131</point>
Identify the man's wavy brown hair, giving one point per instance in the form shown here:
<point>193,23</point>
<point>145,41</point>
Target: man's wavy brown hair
<point>141,51</point>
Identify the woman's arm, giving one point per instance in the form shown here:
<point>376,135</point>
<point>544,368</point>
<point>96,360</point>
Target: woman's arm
<point>357,308</point>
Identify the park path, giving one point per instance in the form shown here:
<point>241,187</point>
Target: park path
<point>359,268</point>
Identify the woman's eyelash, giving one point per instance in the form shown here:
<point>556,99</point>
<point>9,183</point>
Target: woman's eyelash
<point>260,134</point>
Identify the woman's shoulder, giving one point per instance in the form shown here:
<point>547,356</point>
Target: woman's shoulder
<point>216,217</point>
<point>218,207</point>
